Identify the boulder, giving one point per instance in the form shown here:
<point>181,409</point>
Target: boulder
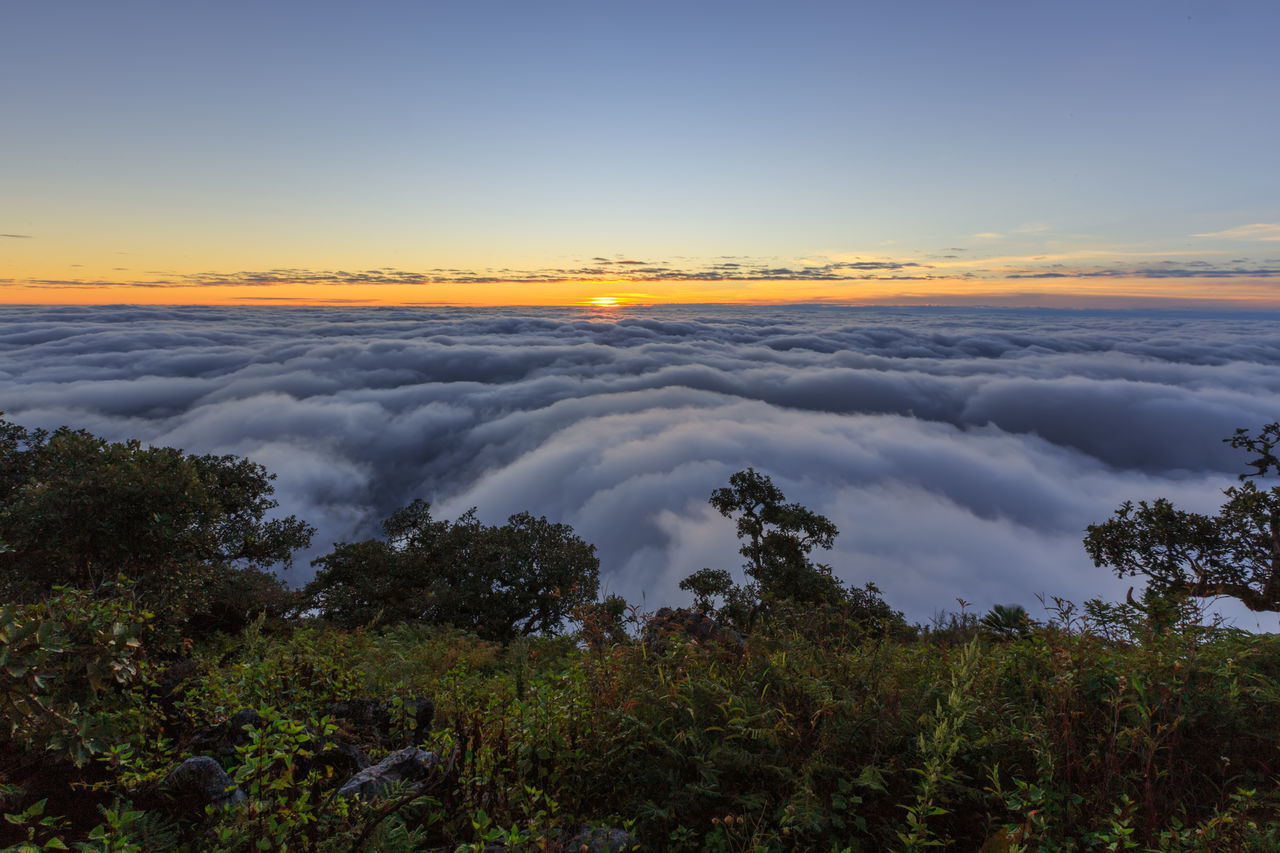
<point>601,839</point>
<point>221,740</point>
<point>368,716</point>
<point>171,681</point>
<point>423,709</point>
<point>200,781</point>
<point>410,763</point>
<point>339,760</point>
<point>371,718</point>
<point>692,625</point>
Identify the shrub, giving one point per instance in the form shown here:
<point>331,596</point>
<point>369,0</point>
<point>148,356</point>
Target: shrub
<point>79,511</point>
<point>67,668</point>
<point>521,578</point>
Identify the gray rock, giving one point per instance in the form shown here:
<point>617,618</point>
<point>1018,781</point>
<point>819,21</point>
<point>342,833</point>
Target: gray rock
<point>372,718</point>
<point>601,839</point>
<point>424,711</point>
<point>221,741</point>
<point>336,761</point>
<point>691,625</point>
<point>409,763</point>
<point>200,781</point>
<point>363,715</point>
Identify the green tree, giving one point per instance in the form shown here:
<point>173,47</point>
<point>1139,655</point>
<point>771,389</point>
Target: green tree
<point>707,585</point>
<point>191,532</point>
<point>1181,554</point>
<point>521,578</point>
<point>777,539</point>
<point>1007,621</point>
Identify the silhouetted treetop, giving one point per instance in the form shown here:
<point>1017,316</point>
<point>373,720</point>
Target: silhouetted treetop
<point>1235,553</point>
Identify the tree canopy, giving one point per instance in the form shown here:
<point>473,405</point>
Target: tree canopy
<point>777,541</point>
<point>1184,554</point>
<point>192,533</point>
<point>521,578</point>
<point>777,538</point>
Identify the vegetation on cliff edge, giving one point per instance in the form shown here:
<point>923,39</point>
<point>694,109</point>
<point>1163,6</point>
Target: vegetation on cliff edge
<point>790,712</point>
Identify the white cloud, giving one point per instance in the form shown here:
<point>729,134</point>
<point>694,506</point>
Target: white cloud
<point>960,452</point>
<point>1267,231</point>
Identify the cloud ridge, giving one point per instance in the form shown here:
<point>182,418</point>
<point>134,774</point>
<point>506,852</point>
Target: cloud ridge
<point>960,451</point>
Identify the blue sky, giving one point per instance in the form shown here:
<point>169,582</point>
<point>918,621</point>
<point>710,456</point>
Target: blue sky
<point>147,143</point>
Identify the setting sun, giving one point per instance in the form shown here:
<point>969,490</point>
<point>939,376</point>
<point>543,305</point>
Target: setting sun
<point>603,302</point>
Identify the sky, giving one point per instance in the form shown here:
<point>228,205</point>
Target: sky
<point>1083,154</point>
<point>962,276</point>
<point>961,452</point>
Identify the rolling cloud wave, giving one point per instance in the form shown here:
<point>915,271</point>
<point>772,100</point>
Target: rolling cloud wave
<point>961,452</point>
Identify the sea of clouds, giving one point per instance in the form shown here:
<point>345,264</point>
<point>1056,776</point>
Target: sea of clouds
<point>961,452</point>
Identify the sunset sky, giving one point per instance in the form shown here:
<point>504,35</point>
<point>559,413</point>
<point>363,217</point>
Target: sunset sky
<point>1005,153</point>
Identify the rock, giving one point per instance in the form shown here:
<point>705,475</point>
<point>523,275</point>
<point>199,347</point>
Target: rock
<point>368,716</point>
<point>245,718</point>
<point>409,764</point>
<point>338,761</point>
<point>600,839</point>
<point>221,740</point>
<point>372,719</point>
<point>200,781</point>
<point>693,625</point>
<point>424,711</point>
<point>169,687</point>
<point>173,678</point>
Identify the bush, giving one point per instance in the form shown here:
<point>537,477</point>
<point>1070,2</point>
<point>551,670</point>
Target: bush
<point>515,580</point>
<point>69,666</point>
<point>192,533</point>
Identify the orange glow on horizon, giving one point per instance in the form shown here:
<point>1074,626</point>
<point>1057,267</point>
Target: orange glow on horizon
<point>1063,293</point>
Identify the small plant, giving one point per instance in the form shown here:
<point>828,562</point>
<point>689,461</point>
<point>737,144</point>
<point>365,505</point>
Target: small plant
<point>66,664</point>
<point>1007,622</point>
<point>40,830</point>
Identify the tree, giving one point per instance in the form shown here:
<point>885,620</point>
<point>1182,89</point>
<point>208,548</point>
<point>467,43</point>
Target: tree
<point>1007,621</point>
<point>191,532</point>
<point>1183,554</point>
<point>778,538</point>
<point>521,578</point>
<point>707,585</point>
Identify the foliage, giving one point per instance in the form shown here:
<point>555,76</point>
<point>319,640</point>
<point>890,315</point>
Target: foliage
<point>1007,621</point>
<point>604,622</point>
<point>66,668</point>
<point>777,538</point>
<point>521,578</point>
<point>1183,554</point>
<point>707,585</point>
<point>191,532</point>
<point>1113,726</point>
<point>1086,731</point>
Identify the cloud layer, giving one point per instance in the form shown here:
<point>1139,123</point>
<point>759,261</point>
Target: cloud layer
<point>961,452</point>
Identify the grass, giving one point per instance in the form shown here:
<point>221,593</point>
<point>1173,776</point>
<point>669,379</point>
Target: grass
<point>1093,732</point>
